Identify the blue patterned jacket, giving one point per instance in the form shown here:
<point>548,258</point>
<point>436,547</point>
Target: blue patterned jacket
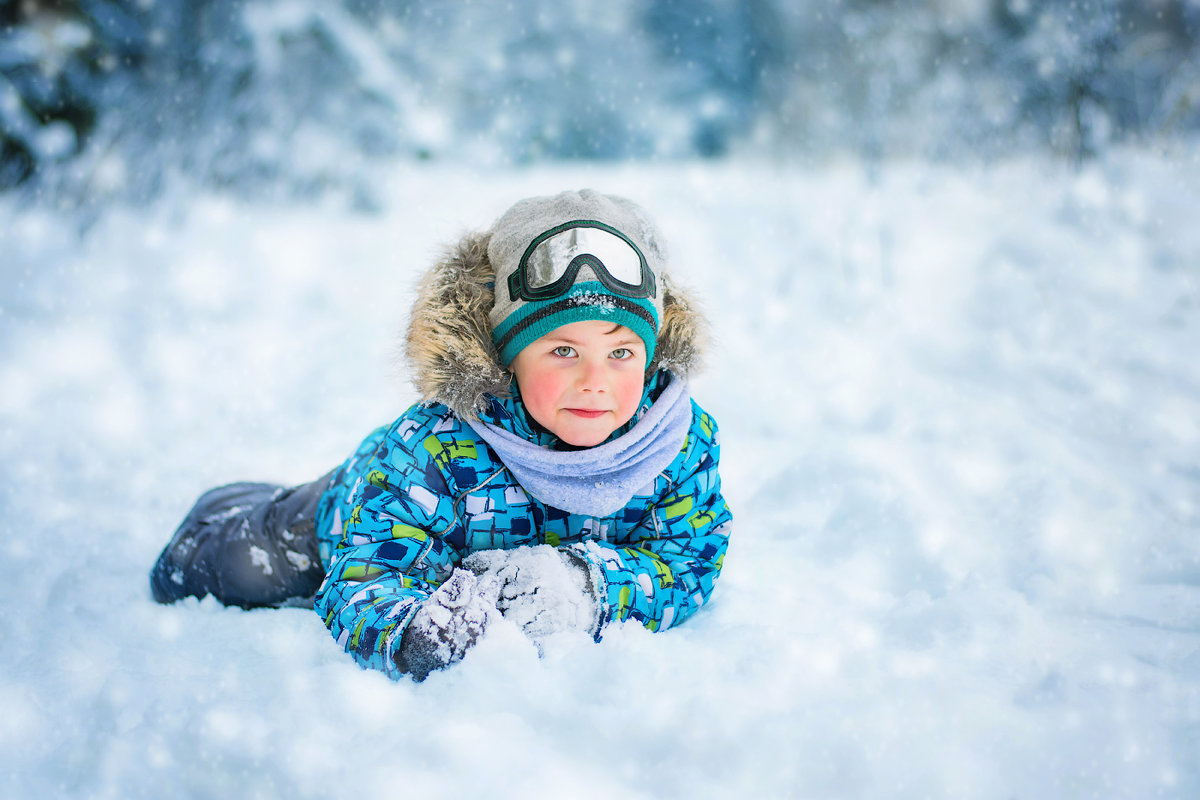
<point>422,493</point>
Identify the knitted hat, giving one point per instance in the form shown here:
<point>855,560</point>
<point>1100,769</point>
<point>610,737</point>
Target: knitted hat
<point>573,257</point>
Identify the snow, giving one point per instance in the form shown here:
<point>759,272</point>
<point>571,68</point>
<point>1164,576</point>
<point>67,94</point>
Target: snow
<point>960,418</point>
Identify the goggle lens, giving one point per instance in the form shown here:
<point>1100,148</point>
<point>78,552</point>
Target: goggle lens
<point>551,258</point>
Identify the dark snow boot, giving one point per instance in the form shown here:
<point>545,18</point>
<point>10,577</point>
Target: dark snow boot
<point>246,544</point>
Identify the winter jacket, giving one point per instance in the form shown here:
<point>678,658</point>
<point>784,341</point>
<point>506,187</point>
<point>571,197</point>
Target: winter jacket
<point>422,493</point>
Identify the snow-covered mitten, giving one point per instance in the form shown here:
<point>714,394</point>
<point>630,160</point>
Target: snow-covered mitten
<point>448,623</point>
<point>542,589</point>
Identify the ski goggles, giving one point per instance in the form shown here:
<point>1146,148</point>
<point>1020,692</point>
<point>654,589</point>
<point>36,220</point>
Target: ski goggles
<point>552,262</point>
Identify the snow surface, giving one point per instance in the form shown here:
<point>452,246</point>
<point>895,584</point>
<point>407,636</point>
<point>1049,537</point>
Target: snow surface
<point>960,413</point>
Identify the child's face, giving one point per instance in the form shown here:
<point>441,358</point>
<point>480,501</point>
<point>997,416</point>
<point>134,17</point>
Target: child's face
<point>582,381</point>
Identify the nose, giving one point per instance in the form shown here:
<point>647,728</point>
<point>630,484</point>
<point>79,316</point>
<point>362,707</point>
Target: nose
<point>592,377</point>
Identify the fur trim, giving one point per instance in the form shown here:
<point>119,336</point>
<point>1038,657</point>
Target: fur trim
<point>683,336</point>
<point>449,347</point>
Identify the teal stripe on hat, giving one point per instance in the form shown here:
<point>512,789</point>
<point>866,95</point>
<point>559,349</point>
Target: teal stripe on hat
<point>584,301</point>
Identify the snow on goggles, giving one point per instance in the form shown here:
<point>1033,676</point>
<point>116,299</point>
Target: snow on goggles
<point>553,260</point>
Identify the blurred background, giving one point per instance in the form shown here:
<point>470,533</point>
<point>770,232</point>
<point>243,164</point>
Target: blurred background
<point>103,99</point>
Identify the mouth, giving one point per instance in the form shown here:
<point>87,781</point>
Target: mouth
<point>586,413</point>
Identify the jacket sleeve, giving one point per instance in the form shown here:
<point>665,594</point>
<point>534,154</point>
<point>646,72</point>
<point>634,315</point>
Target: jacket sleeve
<point>669,573</point>
<point>388,552</point>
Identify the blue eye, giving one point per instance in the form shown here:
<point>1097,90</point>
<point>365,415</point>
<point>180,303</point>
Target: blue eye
<point>563,351</point>
<point>622,353</point>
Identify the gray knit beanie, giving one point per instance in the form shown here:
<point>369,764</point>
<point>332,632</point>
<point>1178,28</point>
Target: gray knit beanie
<point>572,257</point>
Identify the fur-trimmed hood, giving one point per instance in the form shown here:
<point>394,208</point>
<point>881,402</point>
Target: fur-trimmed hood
<point>449,349</point>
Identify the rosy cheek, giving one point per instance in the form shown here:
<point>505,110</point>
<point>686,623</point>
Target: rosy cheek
<point>631,392</point>
<point>540,398</point>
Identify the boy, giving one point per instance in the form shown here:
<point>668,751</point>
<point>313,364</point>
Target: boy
<point>557,472</point>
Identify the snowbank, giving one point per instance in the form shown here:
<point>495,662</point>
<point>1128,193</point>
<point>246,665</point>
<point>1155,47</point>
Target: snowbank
<point>960,417</point>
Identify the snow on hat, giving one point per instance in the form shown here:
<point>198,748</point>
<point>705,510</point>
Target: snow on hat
<point>573,257</point>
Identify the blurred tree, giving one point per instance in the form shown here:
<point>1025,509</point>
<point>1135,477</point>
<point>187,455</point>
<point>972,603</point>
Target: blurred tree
<point>720,51</point>
<point>113,97</point>
<point>56,57</point>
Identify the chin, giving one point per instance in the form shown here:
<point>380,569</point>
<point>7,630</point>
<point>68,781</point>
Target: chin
<point>584,441</point>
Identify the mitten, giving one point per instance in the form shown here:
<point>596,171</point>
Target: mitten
<point>448,623</point>
<point>542,589</point>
